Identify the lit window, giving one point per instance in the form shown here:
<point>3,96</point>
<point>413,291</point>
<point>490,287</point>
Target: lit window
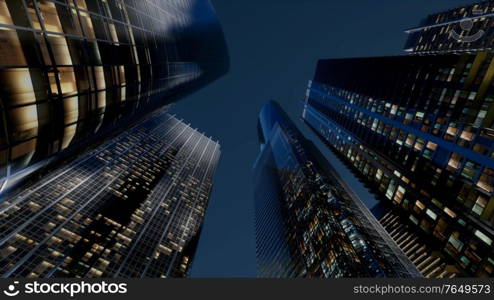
<point>18,87</point>
<point>420,205</point>
<point>67,81</point>
<point>60,49</point>
<point>486,180</point>
<point>467,135</point>
<point>455,161</point>
<point>469,170</point>
<point>431,214</point>
<point>455,242</point>
<point>479,205</point>
<point>11,53</point>
<point>431,146</point>
<point>50,16</point>
<point>483,237</point>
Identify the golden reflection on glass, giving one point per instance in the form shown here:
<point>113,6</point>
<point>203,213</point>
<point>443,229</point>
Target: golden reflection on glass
<point>68,135</point>
<point>101,100</point>
<point>67,81</point>
<point>11,53</point>
<point>43,48</point>
<point>50,16</point>
<point>87,24</point>
<point>113,33</point>
<point>121,73</point>
<point>81,4</point>
<point>99,73</point>
<point>53,82</point>
<point>34,18</point>
<point>71,115</point>
<point>71,110</point>
<point>60,49</point>
<point>122,93</point>
<point>5,17</point>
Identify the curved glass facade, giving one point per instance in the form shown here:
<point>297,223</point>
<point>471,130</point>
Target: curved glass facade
<point>74,72</point>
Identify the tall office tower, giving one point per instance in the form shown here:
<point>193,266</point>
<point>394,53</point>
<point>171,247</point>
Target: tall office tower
<point>74,72</point>
<point>132,207</point>
<point>418,130</point>
<point>308,223</point>
<point>463,29</point>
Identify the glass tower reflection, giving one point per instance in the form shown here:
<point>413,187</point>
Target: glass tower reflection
<point>308,222</point>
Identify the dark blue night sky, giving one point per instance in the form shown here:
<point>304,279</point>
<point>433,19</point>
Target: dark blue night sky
<point>274,46</point>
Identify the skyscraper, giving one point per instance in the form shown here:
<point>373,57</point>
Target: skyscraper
<point>133,207</point>
<point>308,223</point>
<point>75,72</point>
<point>418,130</point>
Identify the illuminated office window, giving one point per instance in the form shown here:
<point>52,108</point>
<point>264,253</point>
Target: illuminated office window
<point>479,205</point>
<point>483,237</point>
<point>454,162</point>
<point>486,180</point>
<point>470,170</point>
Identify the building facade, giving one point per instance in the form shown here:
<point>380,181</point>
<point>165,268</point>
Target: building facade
<point>308,223</point>
<point>132,207</point>
<point>74,72</point>
<point>418,130</point>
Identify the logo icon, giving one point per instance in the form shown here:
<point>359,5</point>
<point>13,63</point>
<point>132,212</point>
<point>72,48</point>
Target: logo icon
<point>11,290</point>
<point>466,25</point>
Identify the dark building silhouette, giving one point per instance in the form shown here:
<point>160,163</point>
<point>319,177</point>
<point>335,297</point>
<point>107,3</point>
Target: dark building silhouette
<point>308,222</point>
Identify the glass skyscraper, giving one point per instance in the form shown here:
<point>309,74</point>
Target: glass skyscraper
<point>418,130</point>
<point>308,222</point>
<point>132,207</point>
<point>74,72</point>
